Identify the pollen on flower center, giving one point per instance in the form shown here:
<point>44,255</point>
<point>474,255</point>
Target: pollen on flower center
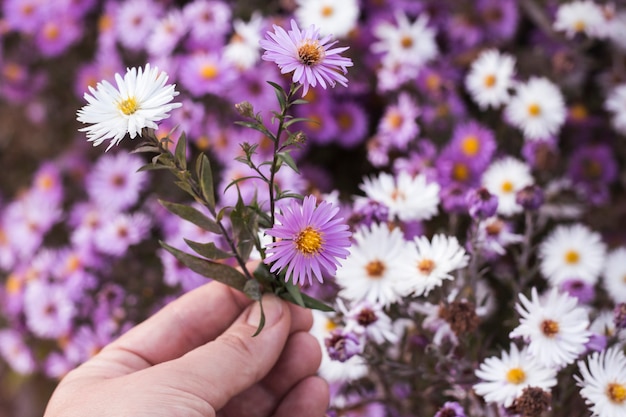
<point>208,71</point>
<point>490,80</point>
<point>345,121</point>
<point>507,187</point>
<point>426,266</point>
<point>616,392</point>
<point>375,269</point>
<point>516,376</point>
<point>460,172</point>
<point>327,11</point>
<point>128,106</point>
<point>406,42</point>
<point>549,327</point>
<point>366,317</point>
<point>579,26</point>
<point>572,257</point>
<point>310,53</point>
<point>51,31</point>
<point>534,109</point>
<point>470,145</point>
<point>309,241</point>
<point>395,120</point>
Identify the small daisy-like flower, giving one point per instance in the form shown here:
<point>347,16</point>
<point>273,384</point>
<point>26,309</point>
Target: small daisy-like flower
<point>431,262</point>
<point>615,275</point>
<point>538,108</point>
<point>504,178</point>
<point>372,269</point>
<point>16,353</point>
<point>369,319</point>
<point>554,326</point>
<point>307,55</point>
<point>506,377</point>
<point>141,99</point>
<point>407,43</point>
<point>335,18</point>
<point>407,197</point>
<point>578,17</point>
<point>311,240</point>
<point>616,104</point>
<point>572,252</point>
<point>490,78</point>
<point>603,382</point>
<point>398,123</point>
<point>494,235</point>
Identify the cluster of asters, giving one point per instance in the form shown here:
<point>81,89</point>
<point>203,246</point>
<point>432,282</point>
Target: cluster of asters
<point>471,256</point>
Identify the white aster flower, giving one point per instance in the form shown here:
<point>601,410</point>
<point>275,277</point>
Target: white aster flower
<point>243,50</point>
<point>554,326</point>
<point>331,370</point>
<point>604,325</point>
<point>614,275</point>
<point>537,108</point>
<point>616,104</point>
<point>490,78</point>
<point>504,178</point>
<point>506,377</point>
<point>371,270</point>
<point>572,251</point>
<point>332,17</point>
<point>407,197</point>
<point>368,319</point>
<point>141,99</point>
<point>428,263</point>
<point>494,235</point>
<point>410,43</point>
<point>578,17</point>
<point>603,382</point>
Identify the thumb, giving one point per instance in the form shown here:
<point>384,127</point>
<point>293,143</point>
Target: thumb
<point>225,367</point>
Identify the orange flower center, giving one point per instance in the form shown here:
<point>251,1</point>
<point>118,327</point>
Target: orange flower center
<point>375,269</point>
<point>310,53</point>
<point>309,241</point>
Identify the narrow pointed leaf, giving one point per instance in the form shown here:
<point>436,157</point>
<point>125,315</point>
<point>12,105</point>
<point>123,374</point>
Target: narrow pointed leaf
<point>191,214</point>
<point>180,153</point>
<point>216,271</point>
<point>208,250</point>
<point>206,182</point>
<point>294,291</point>
<point>261,320</point>
<point>288,160</point>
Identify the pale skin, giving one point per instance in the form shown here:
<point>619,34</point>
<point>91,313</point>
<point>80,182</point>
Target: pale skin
<point>197,358</point>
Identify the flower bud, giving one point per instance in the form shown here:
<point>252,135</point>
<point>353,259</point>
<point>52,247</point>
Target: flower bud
<point>481,203</point>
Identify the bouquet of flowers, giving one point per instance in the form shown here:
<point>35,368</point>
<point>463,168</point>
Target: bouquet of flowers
<point>439,182</point>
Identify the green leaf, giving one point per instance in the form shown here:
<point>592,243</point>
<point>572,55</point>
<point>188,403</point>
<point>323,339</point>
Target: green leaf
<point>146,148</point>
<point>300,101</point>
<point>216,271</point>
<point>298,119</point>
<point>152,167</point>
<point>253,289</point>
<point>288,160</point>
<point>256,126</point>
<point>280,95</point>
<point>295,293</point>
<point>206,182</point>
<point>244,223</point>
<point>261,320</point>
<point>191,214</point>
<point>184,185</point>
<point>315,304</point>
<point>180,153</point>
<point>208,250</point>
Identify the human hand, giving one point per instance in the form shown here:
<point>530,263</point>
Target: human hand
<point>197,357</point>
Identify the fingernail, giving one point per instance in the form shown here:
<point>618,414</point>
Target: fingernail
<point>272,307</point>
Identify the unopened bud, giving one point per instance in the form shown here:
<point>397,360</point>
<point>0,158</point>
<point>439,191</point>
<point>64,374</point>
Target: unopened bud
<point>245,109</point>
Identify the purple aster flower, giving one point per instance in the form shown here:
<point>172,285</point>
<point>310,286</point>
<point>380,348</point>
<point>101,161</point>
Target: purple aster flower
<point>311,240</point>
<point>135,21</point>
<point>352,123</point>
<point>123,231</point>
<point>48,309</point>
<point>56,34</point>
<point>530,197</point>
<point>579,289</point>
<point>593,168</point>
<point>342,345</point>
<point>451,409</point>
<point>619,316</point>
<point>23,15</point>
<point>209,20</point>
<point>481,203</point>
<point>399,122</point>
<point>421,161</point>
<point>475,142</point>
<point>320,126</point>
<point>307,55</point>
<point>500,17</point>
<point>369,211</point>
<point>114,183</point>
<point>206,73</point>
<point>16,352</point>
<point>541,154</point>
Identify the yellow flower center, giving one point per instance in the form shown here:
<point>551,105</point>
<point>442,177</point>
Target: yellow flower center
<point>12,71</point>
<point>51,31</point>
<point>406,42</point>
<point>309,241</point>
<point>330,325</point>
<point>507,187</point>
<point>105,23</point>
<point>470,145</point>
<point>375,269</point>
<point>616,392</point>
<point>45,182</point>
<point>490,80</point>
<point>460,172</point>
<point>516,376</point>
<point>73,263</point>
<point>397,195</point>
<point>209,71</point>
<point>310,53</point>
<point>549,327</point>
<point>327,11</point>
<point>579,26</point>
<point>572,257</point>
<point>534,109</point>
<point>426,266</point>
<point>592,169</point>
<point>13,284</point>
<point>128,106</point>
<point>433,82</point>
<point>578,112</point>
<point>344,120</point>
